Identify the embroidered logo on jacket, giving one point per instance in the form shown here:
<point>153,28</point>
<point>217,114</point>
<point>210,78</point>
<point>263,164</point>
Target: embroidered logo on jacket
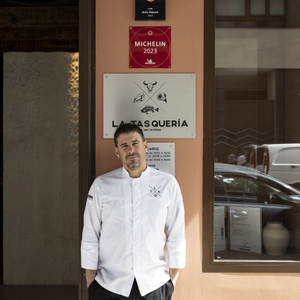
<point>155,192</point>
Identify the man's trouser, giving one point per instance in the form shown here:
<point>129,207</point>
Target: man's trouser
<point>97,292</point>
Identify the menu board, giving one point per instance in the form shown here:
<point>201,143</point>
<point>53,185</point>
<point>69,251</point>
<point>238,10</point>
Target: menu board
<point>161,156</point>
<point>245,229</point>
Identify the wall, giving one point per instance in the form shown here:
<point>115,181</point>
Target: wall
<point>113,19</point>
<point>41,168</point>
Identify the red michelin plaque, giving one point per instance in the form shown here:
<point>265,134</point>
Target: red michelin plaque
<point>150,47</point>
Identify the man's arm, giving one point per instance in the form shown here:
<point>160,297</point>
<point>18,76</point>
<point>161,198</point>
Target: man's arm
<point>174,275</point>
<point>176,243</point>
<point>90,276</point>
<point>91,233</point>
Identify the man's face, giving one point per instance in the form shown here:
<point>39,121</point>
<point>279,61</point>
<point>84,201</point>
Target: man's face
<point>132,151</point>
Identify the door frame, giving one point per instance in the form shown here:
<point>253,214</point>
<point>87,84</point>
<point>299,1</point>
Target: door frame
<point>86,115</point>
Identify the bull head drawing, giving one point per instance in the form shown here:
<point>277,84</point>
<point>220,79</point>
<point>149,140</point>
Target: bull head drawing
<point>150,85</point>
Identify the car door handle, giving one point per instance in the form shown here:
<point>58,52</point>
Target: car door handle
<point>293,167</point>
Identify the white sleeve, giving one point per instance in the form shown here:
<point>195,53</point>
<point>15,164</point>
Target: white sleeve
<point>91,228</point>
<point>176,243</point>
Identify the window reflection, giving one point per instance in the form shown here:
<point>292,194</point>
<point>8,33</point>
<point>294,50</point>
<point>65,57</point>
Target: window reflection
<point>230,7</point>
<point>257,126</point>
<point>276,7</point>
<point>258,7</point>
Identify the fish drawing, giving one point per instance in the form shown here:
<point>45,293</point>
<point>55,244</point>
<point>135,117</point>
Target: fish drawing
<point>139,98</point>
<point>148,108</point>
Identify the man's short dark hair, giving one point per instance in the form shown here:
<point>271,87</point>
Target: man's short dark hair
<point>125,128</point>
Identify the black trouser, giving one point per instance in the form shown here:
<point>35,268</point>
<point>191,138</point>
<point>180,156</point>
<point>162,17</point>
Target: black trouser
<point>97,292</point>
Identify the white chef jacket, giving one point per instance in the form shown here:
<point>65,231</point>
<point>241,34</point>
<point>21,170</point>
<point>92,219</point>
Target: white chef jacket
<point>127,222</point>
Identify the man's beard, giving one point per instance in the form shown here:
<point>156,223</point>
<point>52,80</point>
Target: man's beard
<point>132,165</point>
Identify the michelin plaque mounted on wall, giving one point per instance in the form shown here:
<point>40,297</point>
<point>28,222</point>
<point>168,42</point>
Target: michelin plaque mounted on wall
<point>150,10</point>
<point>150,47</point>
<point>162,104</point>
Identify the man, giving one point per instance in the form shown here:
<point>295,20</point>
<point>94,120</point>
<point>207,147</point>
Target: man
<point>231,158</point>
<point>242,159</point>
<point>130,214</point>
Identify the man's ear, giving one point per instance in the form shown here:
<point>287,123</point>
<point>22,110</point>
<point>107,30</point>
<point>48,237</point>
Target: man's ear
<point>146,145</point>
<point>117,152</point>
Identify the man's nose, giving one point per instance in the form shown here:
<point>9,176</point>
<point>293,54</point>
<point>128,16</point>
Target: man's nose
<point>131,149</point>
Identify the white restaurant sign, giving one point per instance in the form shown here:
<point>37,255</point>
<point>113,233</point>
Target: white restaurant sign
<point>163,105</point>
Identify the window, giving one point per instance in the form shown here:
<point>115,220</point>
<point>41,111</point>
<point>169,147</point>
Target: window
<point>250,13</point>
<point>251,103</point>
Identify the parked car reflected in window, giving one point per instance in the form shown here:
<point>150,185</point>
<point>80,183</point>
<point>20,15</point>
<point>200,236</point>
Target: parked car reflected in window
<point>281,161</point>
<point>243,187</point>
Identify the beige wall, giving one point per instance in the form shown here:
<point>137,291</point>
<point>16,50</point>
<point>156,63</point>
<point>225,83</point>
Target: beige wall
<point>113,19</point>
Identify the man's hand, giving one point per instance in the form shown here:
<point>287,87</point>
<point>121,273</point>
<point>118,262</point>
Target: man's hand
<point>90,276</point>
<point>174,275</point>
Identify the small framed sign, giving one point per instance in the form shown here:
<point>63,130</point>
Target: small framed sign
<point>161,156</point>
<point>150,47</point>
<point>150,10</point>
<point>219,228</point>
<point>245,229</point>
